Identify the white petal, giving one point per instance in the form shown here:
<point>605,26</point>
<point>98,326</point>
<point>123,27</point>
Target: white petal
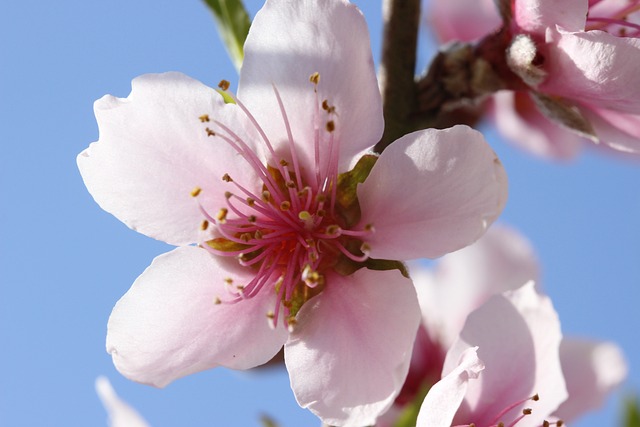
<point>168,324</point>
<point>350,352</point>
<point>153,151</point>
<point>432,192</point>
<point>120,413</point>
<point>592,371</point>
<point>444,398</point>
<point>291,40</point>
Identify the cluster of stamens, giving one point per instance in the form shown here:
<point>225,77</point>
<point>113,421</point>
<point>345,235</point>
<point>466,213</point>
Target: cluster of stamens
<point>616,21</point>
<point>497,420</point>
<point>290,231</point>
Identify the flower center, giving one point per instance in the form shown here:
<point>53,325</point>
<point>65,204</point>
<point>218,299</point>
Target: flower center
<point>297,227</point>
<point>618,20</point>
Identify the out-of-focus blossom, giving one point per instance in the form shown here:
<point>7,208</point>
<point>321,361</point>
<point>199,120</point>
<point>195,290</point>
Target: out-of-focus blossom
<point>463,281</point>
<point>504,367</point>
<point>462,20</point>
<point>292,222</point>
<point>120,413</point>
<point>581,59</point>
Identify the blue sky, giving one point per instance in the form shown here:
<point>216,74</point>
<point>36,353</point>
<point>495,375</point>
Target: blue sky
<point>64,262</point>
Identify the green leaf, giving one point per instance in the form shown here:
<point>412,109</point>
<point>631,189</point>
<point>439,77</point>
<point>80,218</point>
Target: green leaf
<point>631,413</point>
<point>233,26</point>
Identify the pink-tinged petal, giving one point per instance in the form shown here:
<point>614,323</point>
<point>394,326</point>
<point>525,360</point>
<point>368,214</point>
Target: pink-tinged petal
<point>291,40</point>
<point>592,371</point>
<point>534,16</point>
<point>462,20</point>
<point>349,353</point>
<point>518,335</point>
<point>594,68</point>
<point>499,261</point>
<point>443,400</point>
<point>120,413</point>
<point>616,130</point>
<point>432,192</point>
<point>518,119</point>
<point>153,151</point>
<point>168,324</point>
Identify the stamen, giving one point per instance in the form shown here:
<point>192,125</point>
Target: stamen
<point>196,192</point>
<point>224,85</point>
<point>315,78</point>
<point>204,118</point>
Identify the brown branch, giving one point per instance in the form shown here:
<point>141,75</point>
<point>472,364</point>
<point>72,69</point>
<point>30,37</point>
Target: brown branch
<point>397,70</point>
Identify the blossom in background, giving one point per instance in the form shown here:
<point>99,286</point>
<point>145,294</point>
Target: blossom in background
<point>578,60</point>
<point>503,368</point>
<point>292,219</point>
<point>581,60</point>
<point>462,282</point>
<point>120,413</point>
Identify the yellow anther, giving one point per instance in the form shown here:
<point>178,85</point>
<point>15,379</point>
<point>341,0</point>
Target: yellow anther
<point>222,215</point>
<point>545,423</point>
<point>535,397</point>
<point>240,288</point>
<point>196,192</point>
<point>315,78</point>
<point>257,235</point>
<point>204,225</point>
<point>526,411</point>
<point>321,213</point>
<point>224,84</point>
<point>210,132</point>
<point>245,237</point>
<point>266,196</point>
<point>369,227</point>
<point>252,218</point>
<point>285,206</point>
<point>228,280</point>
<point>291,184</point>
<point>365,248</point>
<point>204,118</point>
<point>226,178</point>
<point>559,423</point>
<point>328,108</point>
<point>271,315</point>
<point>251,202</point>
<point>228,194</point>
<point>217,301</point>
<point>284,163</point>
<point>304,216</point>
<point>331,126</point>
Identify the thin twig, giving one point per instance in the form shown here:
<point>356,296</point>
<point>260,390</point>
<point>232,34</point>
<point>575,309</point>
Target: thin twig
<point>397,70</point>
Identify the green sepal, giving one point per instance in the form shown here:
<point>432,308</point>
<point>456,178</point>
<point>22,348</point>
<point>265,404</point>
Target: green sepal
<point>631,417</point>
<point>347,197</point>
<point>409,415</point>
<point>233,25</point>
<point>226,97</point>
<point>225,245</point>
<point>387,264</point>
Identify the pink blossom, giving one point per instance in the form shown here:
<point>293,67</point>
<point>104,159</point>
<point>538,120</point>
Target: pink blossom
<point>585,54</point>
<point>504,367</point>
<point>121,414</point>
<point>465,280</point>
<point>289,239</point>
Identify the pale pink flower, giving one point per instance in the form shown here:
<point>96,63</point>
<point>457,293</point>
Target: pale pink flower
<point>465,280</point>
<point>121,414</point>
<point>504,367</point>
<point>585,53</point>
<point>286,252</point>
